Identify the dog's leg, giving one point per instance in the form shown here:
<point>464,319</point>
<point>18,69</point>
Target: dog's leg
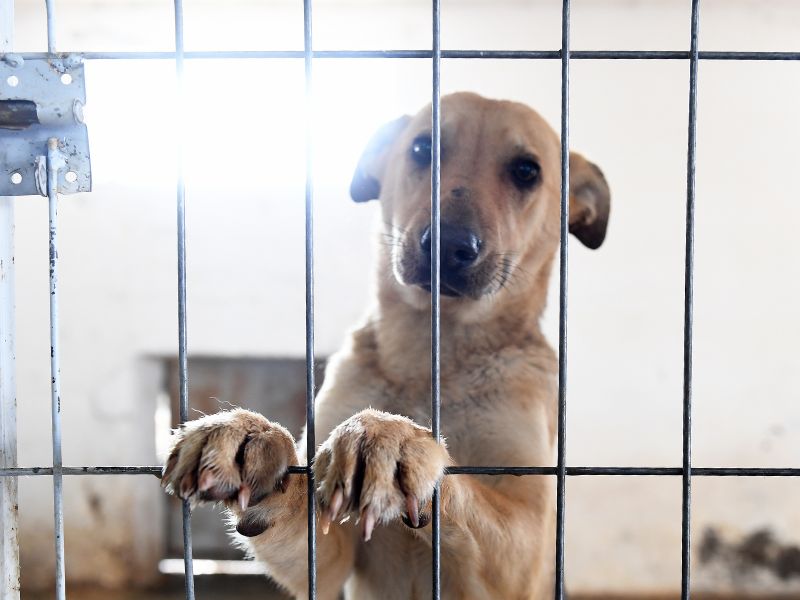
<point>496,540</point>
<point>240,458</point>
<point>381,467</point>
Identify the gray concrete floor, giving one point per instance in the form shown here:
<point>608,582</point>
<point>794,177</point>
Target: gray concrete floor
<point>206,588</point>
<point>257,588</point>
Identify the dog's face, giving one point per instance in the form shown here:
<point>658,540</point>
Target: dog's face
<point>500,198</point>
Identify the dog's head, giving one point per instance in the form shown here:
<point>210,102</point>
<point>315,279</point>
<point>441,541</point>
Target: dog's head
<point>500,199</point>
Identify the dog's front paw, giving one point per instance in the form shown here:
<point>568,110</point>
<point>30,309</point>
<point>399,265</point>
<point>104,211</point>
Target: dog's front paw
<point>380,466</point>
<point>237,456</point>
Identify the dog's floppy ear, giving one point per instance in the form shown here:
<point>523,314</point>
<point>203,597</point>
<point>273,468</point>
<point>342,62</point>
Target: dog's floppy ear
<point>366,184</point>
<point>589,201</point>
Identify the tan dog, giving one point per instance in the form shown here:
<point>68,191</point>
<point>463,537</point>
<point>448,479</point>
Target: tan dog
<point>500,190</point>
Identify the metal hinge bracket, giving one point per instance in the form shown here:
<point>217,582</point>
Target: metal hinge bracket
<point>42,99</point>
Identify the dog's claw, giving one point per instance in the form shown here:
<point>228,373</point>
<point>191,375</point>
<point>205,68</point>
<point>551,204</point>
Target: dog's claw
<point>325,522</point>
<point>336,503</point>
<point>244,496</point>
<point>330,514</point>
<point>207,481</point>
<point>187,486</point>
<point>412,509</point>
<point>368,524</point>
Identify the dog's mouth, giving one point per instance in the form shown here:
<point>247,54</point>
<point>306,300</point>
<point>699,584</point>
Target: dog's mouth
<point>453,285</point>
<point>484,278</point>
<point>444,289</point>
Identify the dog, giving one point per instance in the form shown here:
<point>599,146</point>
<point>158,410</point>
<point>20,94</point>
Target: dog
<point>378,462</point>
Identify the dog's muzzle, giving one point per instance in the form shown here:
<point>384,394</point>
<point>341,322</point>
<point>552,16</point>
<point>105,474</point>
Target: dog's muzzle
<point>460,249</point>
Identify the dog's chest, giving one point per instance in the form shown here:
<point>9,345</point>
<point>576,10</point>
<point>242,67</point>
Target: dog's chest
<point>472,402</point>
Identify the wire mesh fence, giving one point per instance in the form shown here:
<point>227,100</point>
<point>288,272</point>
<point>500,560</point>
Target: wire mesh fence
<point>435,55</point>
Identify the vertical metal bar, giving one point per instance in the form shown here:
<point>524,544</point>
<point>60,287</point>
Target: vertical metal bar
<point>181,199</point>
<point>561,480</point>
<point>51,26</point>
<point>311,445</point>
<point>9,545</point>
<point>436,164</point>
<point>9,548</point>
<point>686,508</point>
<point>183,365</point>
<point>54,163</point>
<point>53,160</point>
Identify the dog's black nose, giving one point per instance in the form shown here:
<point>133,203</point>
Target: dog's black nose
<point>460,247</point>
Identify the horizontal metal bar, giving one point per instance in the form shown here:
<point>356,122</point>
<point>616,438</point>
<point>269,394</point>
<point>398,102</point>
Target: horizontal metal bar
<point>584,471</point>
<point>28,471</point>
<point>427,54</point>
<point>572,471</point>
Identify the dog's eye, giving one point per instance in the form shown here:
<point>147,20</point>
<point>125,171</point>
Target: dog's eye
<point>421,150</point>
<point>525,172</point>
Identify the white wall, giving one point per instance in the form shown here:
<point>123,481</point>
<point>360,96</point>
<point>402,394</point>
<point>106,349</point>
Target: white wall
<point>245,280</point>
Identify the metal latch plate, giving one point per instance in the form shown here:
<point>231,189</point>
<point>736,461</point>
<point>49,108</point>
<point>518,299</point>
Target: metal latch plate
<point>42,99</point>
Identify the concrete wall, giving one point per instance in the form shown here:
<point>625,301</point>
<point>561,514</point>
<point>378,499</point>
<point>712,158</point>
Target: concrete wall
<point>245,279</point>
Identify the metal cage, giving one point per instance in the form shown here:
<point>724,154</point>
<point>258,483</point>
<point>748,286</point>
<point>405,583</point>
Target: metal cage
<point>9,471</point>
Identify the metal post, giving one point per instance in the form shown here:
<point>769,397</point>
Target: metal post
<point>561,479</point>
<point>51,26</point>
<point>311,444</point>
<point>54,163</point>
<point>183,364</point>
<point>688,314</point>
<point>9,545</point>
<point>436,164</point>
<point>9,548</point>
